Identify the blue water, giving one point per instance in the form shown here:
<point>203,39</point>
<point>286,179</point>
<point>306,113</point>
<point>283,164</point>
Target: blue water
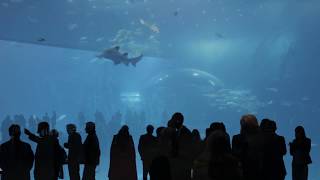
<point>213,60</point>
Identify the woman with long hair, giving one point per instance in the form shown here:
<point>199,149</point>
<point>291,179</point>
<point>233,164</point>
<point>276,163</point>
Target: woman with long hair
<point>300,149</point>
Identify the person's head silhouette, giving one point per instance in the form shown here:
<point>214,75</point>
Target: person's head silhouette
<point>71,128</point>
<point>178,119</point>
<point>90,127</point>
<point>159,131</point>
<point>150,129</point>
<point>43,129</point>
<point>300,133</point>
<point>54,133</point>
<point>249,123</point>
<point>124,131</point>
<point>14,131</point>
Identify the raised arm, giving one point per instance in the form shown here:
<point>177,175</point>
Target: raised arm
<point>32,136</point>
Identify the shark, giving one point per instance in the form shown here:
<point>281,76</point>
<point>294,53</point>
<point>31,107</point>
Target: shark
<point>113,54</point>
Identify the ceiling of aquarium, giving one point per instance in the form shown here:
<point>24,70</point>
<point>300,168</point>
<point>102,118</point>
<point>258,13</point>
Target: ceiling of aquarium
<point>175,29</point>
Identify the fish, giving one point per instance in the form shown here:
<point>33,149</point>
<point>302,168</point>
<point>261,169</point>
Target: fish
<point>272,89</point>
<point>176,12</point>
<point>286,104</point>
<point>62,117</point>
<point>212,83</point>
<point>153,27</point>
<point>41,39</point>
<point>114,55</point>
<point>99,39</point>
<point>219,35</point>
<point>83,38</point>
<point>270,102</point>
<point>72,27</point>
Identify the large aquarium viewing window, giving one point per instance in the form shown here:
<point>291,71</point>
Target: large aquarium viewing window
<point>136,62</point>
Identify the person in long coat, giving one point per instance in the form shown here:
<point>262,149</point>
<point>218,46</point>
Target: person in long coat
<point>122,157</point>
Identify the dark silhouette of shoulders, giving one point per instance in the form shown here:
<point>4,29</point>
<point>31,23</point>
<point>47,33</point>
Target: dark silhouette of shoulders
<point>300,150</point>
<point>16,160</point>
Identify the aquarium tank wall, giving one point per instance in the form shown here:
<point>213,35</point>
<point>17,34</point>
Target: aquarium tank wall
<point>212,60</point>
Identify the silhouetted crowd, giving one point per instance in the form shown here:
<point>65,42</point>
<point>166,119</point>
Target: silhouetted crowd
<point>174,153</point>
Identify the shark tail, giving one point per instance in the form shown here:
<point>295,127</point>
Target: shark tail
<point>135,60</point>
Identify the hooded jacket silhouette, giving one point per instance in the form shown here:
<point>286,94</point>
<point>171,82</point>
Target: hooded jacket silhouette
<point>122,157</point>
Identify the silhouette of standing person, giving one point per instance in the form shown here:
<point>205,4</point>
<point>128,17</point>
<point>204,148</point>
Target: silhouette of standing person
<point>160,168</point>
<point>274,149</point>
<point>122,157</point>
<point>45,156</point>
<point>182,149</point>
<point>147,150</point>
<point>197,144</point>
<point>74,145</point>
<point>60,154</point>
<point>91,150</point>
<point>16,157</point>
<point>248,147</point>
<point>216,155</point>
<point>223,165</point>
<point>201,162</point>
<point>220,126</point>
<point>300,149</point>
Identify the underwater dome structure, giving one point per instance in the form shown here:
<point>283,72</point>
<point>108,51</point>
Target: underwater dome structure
<point>195,92</point>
